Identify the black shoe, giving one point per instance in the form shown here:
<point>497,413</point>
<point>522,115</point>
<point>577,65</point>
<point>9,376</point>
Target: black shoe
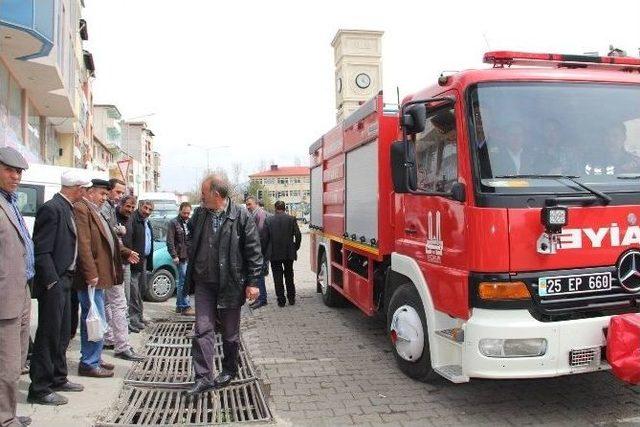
<point>133,329</point>
<point>201,385</point>
<point>51,399</point>
<point>281,303</point>
<point>256,305</point>
<point>138,325</point>
<point>292,301</point>
<point>108,347</point>
<point>68,386</point>
<point>129,354</point>
<point>25,421</point>
<point>223,379</point>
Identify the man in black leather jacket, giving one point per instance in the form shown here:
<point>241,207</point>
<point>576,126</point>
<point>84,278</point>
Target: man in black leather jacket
<point>225,262</point>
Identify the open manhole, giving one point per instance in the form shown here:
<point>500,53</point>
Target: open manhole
<point>173,367</point>
<point>162,407</point>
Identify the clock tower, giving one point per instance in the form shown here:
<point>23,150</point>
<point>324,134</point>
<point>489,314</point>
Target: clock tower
<point>358,75</point>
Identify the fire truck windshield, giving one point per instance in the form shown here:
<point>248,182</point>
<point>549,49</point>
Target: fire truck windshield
<point>526,134</point>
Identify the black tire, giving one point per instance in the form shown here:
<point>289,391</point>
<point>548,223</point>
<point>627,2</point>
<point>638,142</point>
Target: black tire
<point>330,296</point>
<point>421,368</point>
<point>160,286</point>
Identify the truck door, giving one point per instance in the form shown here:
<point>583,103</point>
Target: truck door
<point>433,223</point>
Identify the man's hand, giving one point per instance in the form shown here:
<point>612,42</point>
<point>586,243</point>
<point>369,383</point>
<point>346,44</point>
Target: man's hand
<point>176,260</point>
<point>252,293</point>
<point>134,258</point>
<point>93,282</point>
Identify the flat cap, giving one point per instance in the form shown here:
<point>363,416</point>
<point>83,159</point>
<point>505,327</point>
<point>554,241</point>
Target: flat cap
<point>72,178</point>
<point>100,183</point>
<point>11,157</point>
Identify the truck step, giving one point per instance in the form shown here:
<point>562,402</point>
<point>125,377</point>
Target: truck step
<point>455,335</point>
<point>453,373</point>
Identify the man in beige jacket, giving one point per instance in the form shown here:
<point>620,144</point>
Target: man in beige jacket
<point>16,269</point>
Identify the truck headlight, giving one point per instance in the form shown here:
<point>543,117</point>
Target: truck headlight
<point>528,347</point>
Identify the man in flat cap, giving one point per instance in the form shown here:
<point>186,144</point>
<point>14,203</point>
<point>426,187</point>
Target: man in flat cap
<point>98,268</point>
<point>17,267</point>
<point>56,252</point>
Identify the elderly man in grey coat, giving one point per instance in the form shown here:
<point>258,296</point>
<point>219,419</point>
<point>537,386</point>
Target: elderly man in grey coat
<point>17,265</point>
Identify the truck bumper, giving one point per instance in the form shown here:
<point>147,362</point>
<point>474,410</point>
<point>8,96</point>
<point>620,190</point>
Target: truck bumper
<point>569,345</point>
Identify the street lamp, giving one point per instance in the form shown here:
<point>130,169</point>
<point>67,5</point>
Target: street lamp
<point>208,150</point>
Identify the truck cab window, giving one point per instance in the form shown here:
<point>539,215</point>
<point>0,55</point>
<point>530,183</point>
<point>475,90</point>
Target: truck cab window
<point>29,199</point>
<point>436,153</point>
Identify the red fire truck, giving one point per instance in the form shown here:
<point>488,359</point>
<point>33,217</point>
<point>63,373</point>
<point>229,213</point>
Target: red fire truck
<point>492,218</point>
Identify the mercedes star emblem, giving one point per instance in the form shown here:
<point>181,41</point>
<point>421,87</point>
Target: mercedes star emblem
<point>632,219</point>
<point>629,271</point>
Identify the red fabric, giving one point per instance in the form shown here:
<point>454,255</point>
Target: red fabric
<point>623,347</point>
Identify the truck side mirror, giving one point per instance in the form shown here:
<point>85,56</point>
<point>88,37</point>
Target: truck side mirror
<point>414,118</point>
<point>403,169</point>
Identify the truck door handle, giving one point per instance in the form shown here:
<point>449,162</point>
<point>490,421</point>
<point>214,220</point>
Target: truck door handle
<point>410,231</point>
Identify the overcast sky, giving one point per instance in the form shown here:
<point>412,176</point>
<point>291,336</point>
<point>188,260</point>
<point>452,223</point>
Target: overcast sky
<point>258,75</point>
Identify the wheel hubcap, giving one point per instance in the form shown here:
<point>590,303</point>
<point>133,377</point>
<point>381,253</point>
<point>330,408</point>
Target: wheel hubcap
<point>161,286</point>
<point>323,278</point>
<point>406,333</point>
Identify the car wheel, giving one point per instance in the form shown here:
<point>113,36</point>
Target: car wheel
<point>330,296</point>
<point>407,330</point>
<point>161,286</point>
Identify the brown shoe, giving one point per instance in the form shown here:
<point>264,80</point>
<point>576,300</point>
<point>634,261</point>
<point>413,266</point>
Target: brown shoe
<point>188,312</point>
<point>90,371</point>
<point>106,365</point>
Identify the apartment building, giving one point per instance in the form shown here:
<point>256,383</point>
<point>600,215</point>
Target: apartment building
<point>45,90</point>
<point>291,184</point>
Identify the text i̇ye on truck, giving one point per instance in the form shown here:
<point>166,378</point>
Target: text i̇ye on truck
<point>493,219</point>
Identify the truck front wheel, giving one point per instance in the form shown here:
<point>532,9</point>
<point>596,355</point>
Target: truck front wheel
<point>407,329</point>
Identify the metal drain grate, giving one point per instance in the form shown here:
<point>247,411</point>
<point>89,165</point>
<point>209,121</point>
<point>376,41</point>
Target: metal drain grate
<point>171,333</point>
<point>177,371</point>
<point>234,404</point>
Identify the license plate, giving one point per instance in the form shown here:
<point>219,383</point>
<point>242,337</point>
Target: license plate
<point>581,283</point>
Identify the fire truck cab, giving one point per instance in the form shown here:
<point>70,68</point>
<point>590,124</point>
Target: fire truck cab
<point>492,218</point>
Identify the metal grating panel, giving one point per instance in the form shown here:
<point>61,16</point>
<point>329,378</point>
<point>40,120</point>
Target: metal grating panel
<point>584,357</point>
<point>172,367</point>
<point>162,407</point>
<point>171,333</point>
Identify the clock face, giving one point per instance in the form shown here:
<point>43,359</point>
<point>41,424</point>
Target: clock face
<point>363,80</point>
<point>339,84</point>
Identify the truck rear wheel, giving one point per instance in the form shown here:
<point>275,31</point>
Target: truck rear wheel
<point>330,296</point>
<point>407,329</point>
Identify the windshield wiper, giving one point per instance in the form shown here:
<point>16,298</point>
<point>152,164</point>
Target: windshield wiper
<point>573,178</point>
<point>628,176</point>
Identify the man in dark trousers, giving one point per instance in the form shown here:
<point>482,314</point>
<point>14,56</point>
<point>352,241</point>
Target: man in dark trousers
<point>56,254</point>
<point>139,238</point>
<point>259,215</point>
<point>178,244</point>
<point>225,261</point>
<point>283,240</point>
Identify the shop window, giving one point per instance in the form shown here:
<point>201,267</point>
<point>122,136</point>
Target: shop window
<point>15,109</point>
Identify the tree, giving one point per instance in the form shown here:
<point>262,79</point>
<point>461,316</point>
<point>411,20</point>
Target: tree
<point>258,191</point>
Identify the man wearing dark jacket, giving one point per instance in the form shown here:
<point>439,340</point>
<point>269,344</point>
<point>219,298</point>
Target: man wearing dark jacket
<point>139,238</point>
<point>178,246</point>
<point>56,254</point>
<point>225,261</point>
<point>283,240</point>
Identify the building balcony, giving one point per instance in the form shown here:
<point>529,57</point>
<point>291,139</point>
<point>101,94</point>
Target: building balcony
<point>27,44</point>
<point>31,22</point>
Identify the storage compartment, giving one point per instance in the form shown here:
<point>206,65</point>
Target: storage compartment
<point>362,193</point>
<point>316,197</point>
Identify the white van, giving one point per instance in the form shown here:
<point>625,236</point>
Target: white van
<point>39,184</point>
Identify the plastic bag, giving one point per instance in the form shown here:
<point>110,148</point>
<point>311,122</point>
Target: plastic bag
<point>623,347</point>
<point>95,326</point>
